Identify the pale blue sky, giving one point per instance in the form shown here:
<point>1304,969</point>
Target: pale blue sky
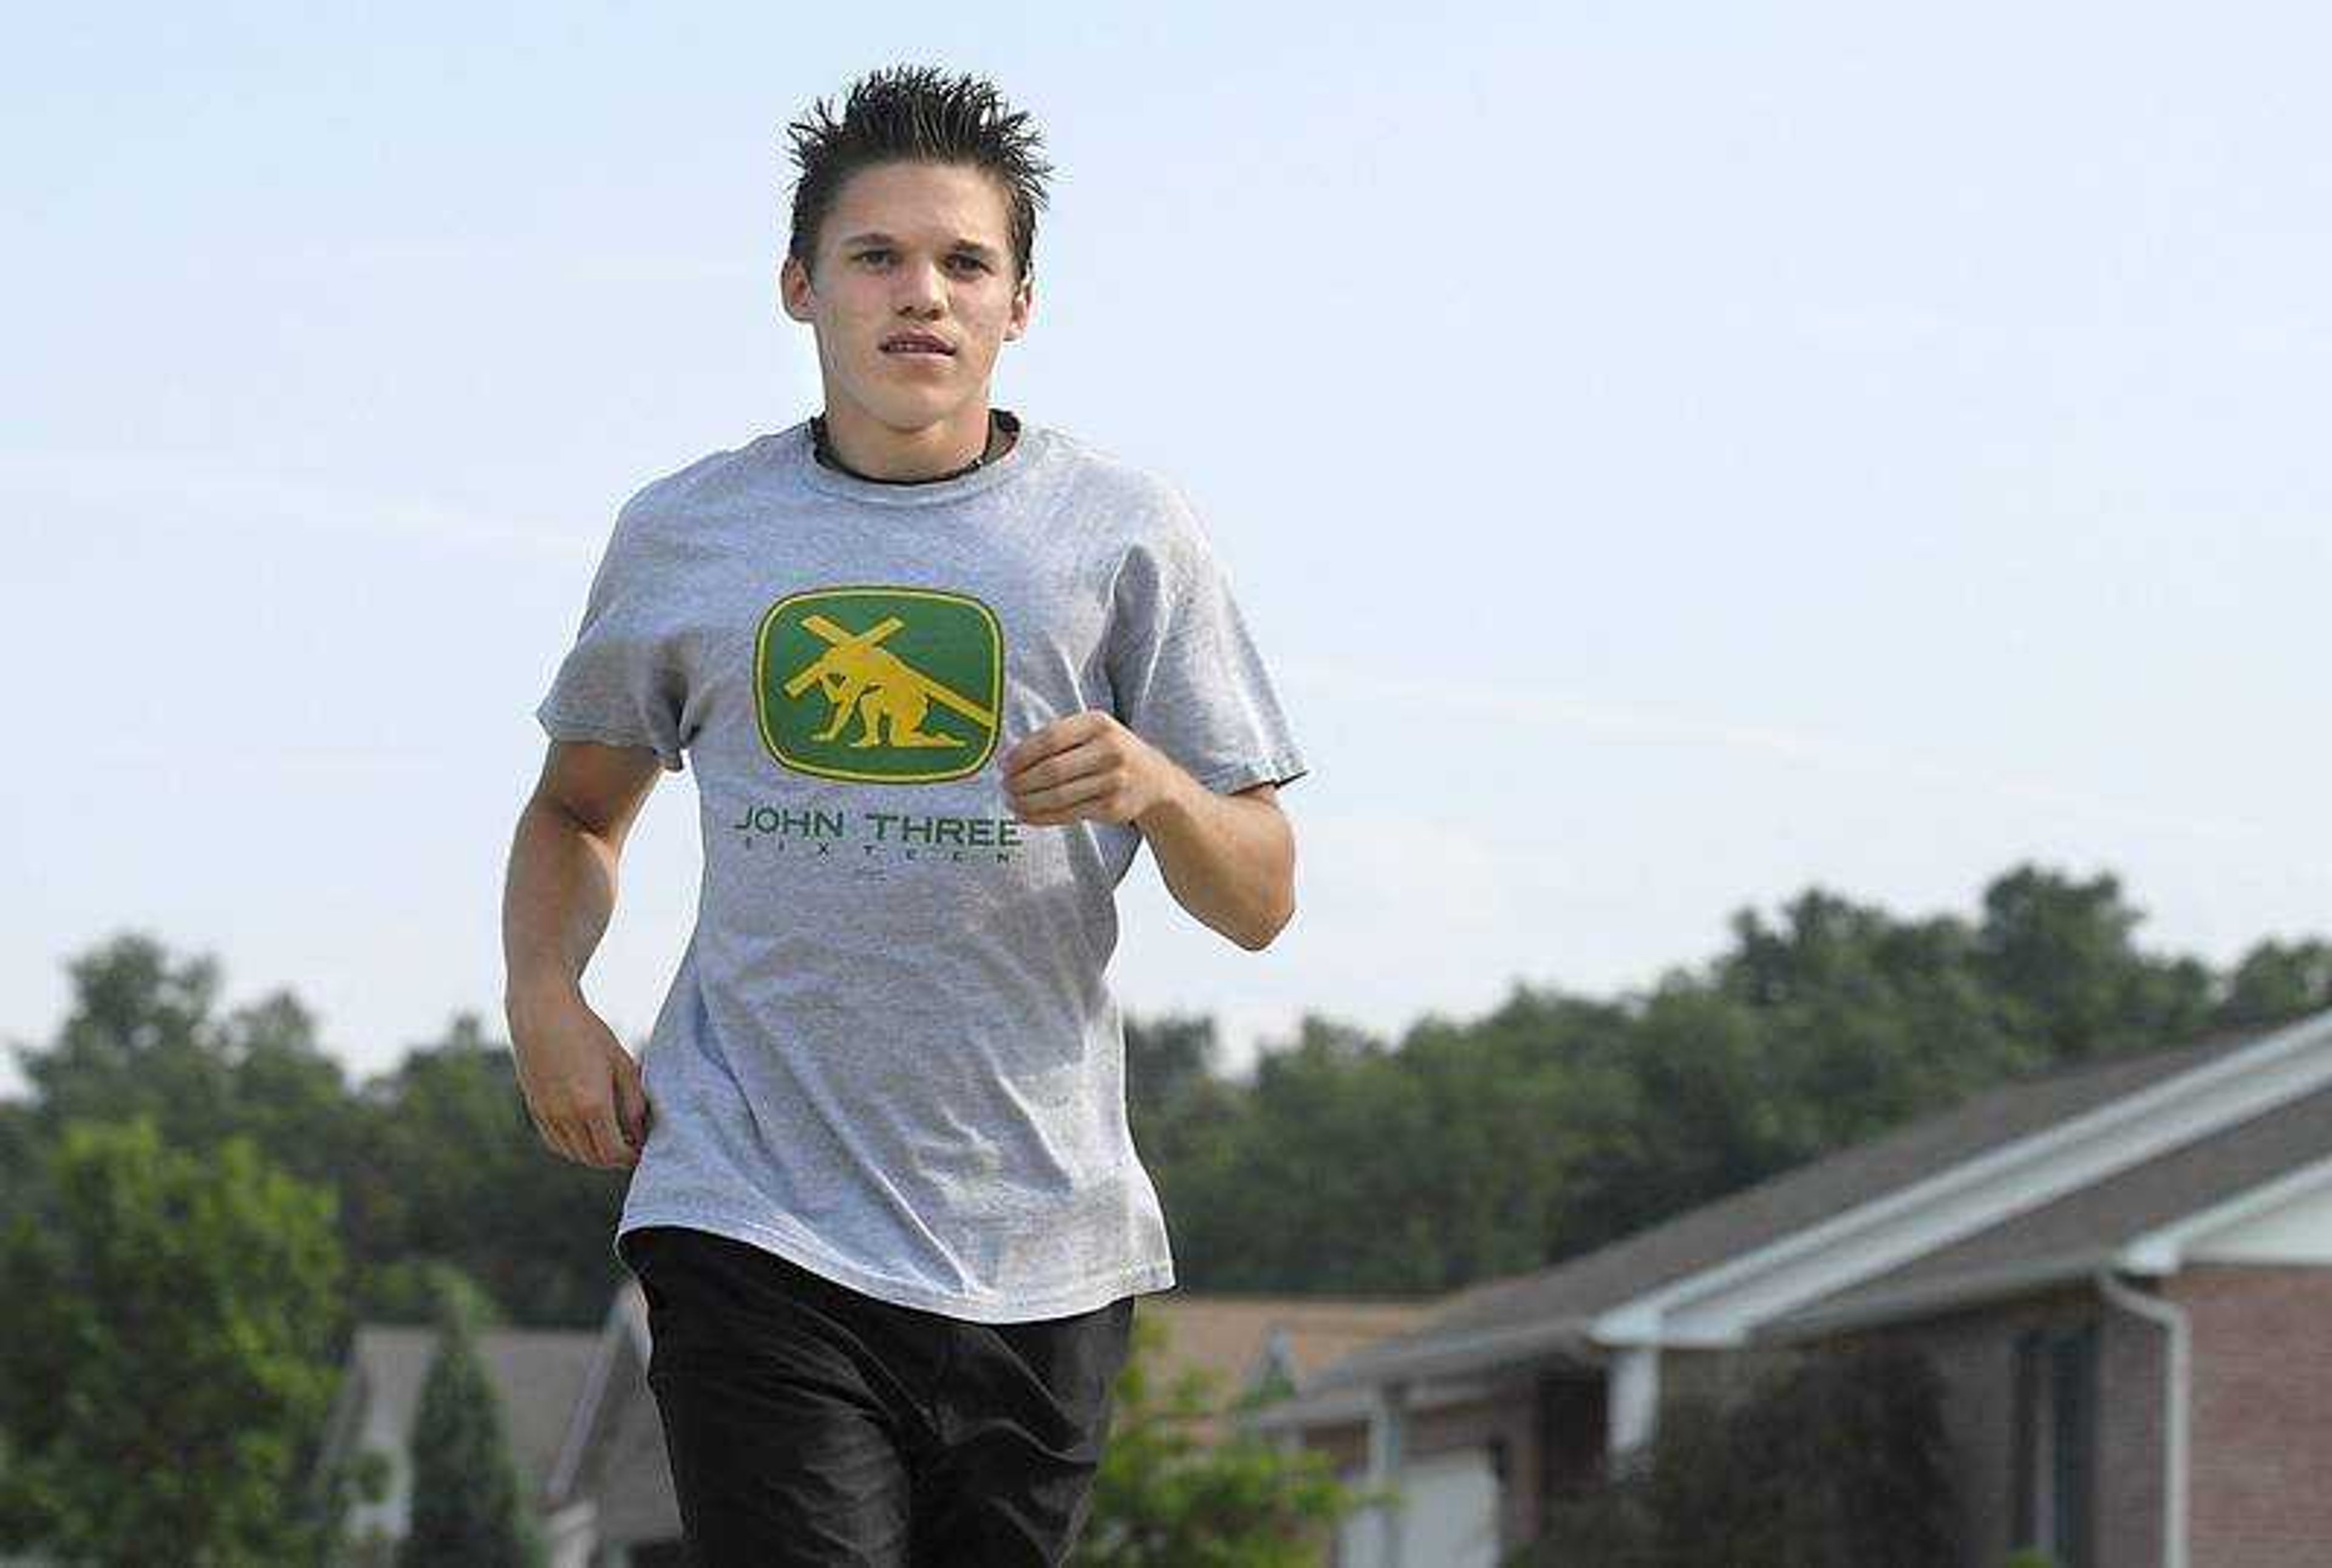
<point>1670,457</point>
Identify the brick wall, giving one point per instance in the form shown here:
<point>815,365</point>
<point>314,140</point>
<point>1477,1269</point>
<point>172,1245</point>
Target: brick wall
<point>1974,1353</point>
<point>2261,1414</point>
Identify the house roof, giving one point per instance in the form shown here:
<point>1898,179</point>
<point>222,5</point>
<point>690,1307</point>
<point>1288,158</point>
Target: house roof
<point>1230,1333</point>
<point>620,1355</point>
<point>1546,1314</point>
<point>1232,1339</point>
<point>2086,1229</point>
<point>536,1375</point>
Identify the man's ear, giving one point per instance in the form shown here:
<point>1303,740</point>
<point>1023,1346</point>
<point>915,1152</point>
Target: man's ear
<point>1024,301</point>
<point>794,288</point>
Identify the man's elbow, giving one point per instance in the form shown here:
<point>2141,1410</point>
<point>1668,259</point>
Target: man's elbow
<point>1281,907</point>
<point>1256,938</point>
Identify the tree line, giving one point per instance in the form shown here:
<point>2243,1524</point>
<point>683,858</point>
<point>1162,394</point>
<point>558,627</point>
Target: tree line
<point>243,1174</point>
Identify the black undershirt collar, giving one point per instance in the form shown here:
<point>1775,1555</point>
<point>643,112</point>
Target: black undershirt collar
<point>1003,429</point>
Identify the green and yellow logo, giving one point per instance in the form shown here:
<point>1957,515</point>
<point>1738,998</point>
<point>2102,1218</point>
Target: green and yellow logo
<point>886,686</point>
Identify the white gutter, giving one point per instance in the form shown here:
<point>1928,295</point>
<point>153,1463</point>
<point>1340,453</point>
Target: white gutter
<point>2176,1382</point>
<point>1632,1399</point>
<point>1388,1455</point>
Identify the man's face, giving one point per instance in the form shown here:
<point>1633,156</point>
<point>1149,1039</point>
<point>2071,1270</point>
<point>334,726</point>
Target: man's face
<point>910,247</point>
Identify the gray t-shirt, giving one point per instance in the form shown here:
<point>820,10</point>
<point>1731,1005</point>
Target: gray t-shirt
<point>889,1053</point>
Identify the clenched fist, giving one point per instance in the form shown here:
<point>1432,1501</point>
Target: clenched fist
<point>1086,766</point>
<point>581,1086</point>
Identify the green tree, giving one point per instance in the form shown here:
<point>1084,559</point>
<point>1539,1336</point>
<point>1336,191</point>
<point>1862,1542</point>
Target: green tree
<point>1868,1018</point>
<point>1314,1172</point>
<point>2058,952</point>
<point>167,1352</point>
<point>143,1036</point>
<point>435,1159</point>
<point>2278,980</point>
<point>1164,1499</point>
<point>445,1165</point>
<point>1176,1105</point>
<point>469,1508</point>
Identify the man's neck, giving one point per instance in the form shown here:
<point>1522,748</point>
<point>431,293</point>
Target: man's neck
<point>869,450</point>
<point>829,449</point>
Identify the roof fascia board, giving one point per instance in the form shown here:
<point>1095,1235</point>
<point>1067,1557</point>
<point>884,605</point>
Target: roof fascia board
<point>1339,1406</point>
<point>1969,1289</point>
<point>1716,1306</point>
<point>2158,1252</point>
<point>2163,1250</point>
<point>1456,1356</point>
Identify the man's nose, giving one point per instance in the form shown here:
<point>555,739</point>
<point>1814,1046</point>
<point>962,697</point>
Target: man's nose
<point>920,288</point>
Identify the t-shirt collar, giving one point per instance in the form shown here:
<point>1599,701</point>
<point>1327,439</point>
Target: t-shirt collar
<point>1015,459</point>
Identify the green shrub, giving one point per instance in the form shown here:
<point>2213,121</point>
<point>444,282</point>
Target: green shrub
<point>1839,1461</point>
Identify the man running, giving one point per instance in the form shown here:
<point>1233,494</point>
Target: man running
<point>941,673</point>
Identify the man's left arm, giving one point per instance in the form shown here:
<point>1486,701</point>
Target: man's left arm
<point>1228,859</point>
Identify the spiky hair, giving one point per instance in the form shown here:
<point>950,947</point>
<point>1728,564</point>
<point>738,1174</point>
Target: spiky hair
<point>914,113</point>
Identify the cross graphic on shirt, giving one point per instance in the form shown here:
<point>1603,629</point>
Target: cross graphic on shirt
<point>858,674</point>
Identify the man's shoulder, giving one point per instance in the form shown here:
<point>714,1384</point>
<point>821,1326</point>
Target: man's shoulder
<point>1144,497</point>
<point>659,520</point>
<point>700,477</point>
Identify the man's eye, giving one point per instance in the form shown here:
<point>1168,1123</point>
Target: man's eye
<point>870,255</point>
<point>973,261</point>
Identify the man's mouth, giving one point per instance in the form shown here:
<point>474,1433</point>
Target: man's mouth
<point>917,343</point>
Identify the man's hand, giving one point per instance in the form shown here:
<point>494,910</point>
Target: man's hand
<point>1087,767</point>
<point>1228,859</point>
<point>581,1086</point>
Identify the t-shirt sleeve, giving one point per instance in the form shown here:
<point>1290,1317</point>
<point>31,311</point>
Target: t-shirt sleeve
<point>622,683</point>
<point>1184,670</point>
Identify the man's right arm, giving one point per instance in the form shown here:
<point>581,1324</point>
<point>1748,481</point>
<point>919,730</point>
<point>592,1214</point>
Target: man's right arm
<point>581,1086</point>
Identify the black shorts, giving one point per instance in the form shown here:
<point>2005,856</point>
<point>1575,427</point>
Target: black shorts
<point>807,1423</point>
